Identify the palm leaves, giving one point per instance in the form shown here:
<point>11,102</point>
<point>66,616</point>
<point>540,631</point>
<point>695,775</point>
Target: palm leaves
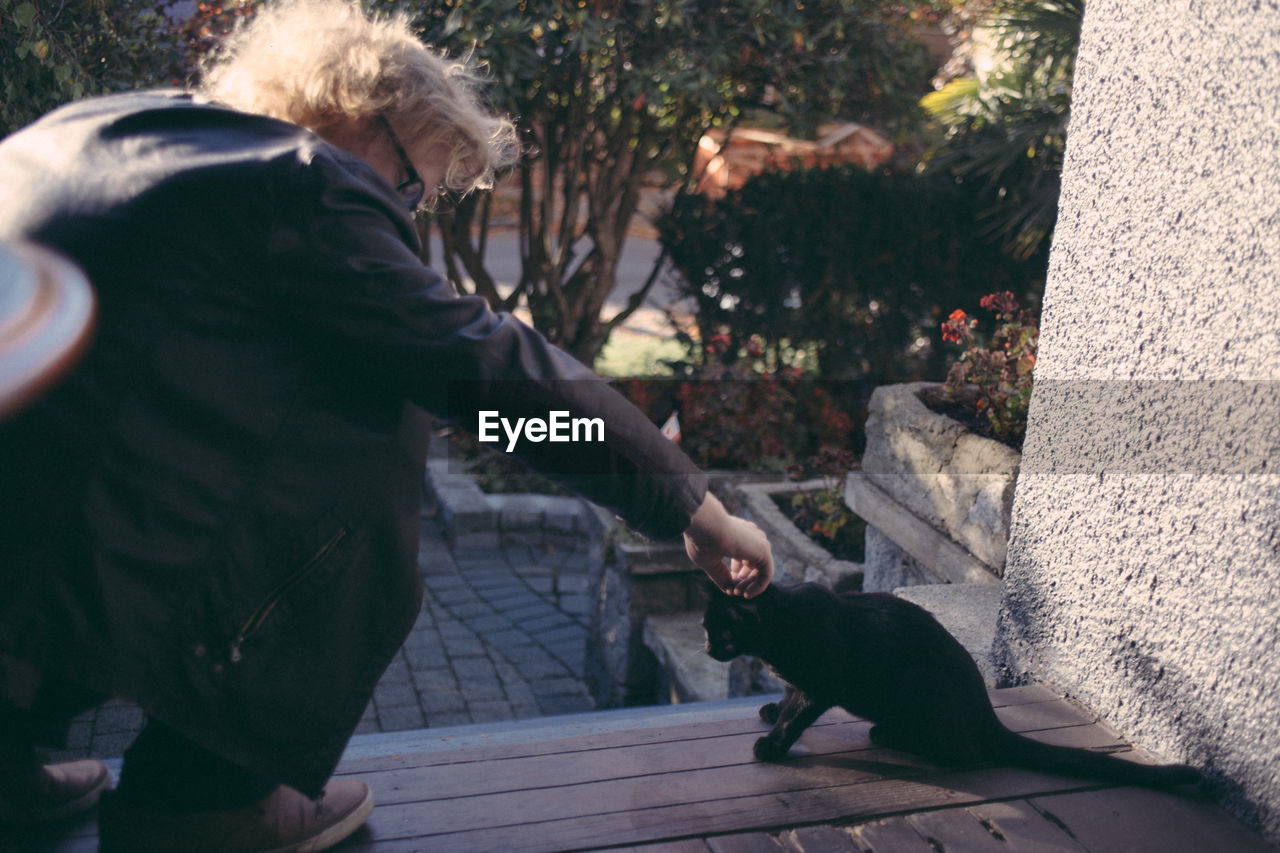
<point>1008,128</point>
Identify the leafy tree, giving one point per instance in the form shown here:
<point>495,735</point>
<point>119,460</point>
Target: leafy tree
<point>54,51</point>
<point>1007,128</point>
<point>611,92</point>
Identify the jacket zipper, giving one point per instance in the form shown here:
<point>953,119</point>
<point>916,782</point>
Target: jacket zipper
<point>259,616</point>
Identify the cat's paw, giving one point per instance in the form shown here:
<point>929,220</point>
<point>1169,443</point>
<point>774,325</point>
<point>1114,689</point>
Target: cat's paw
<point>767,750</point>
<point>769,713</point>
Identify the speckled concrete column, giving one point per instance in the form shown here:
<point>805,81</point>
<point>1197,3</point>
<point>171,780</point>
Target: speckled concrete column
<point>1143,572</point>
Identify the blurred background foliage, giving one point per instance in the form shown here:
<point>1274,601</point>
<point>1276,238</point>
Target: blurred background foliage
<point>848,272</point>
<point>54,51</point>
<point>1005,123</point>
<point>613,94</point>
<point>841,272</point>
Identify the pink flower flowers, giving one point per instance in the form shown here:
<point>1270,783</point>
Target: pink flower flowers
<point>1001,368</point>
<point>1001,303</point>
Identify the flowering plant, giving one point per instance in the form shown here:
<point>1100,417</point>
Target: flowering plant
<point>822,514</point>
<point>735,412</point>
<point>1000,368</point>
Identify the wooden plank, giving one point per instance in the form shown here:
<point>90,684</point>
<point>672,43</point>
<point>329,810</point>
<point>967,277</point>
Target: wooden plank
<point>1095,736</point>
<point>890,835</point>
<point>832,753</point>
<point>1044,715</point>
<point>746,720</point>
<point>576,760</point>
<point>848,739</point>
<point>1137,820</point>
<point>550,800</point>
<point>704,811</point>
<point>745,842</point>
<point>740,716</point>
<point>955,831</point>
<point>687,845</point>
<point>569,784</point>
<point>505,776</point>
<point>1025,829</point>
<point>1023,695</point>
<point>819,839</point>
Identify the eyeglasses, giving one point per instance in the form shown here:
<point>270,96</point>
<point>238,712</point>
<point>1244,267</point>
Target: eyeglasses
<point>412,190</point>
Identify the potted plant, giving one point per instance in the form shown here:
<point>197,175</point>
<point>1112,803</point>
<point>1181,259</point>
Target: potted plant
<point>937,478</point>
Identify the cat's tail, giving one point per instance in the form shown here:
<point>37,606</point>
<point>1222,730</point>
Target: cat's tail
<point>1025,752</point>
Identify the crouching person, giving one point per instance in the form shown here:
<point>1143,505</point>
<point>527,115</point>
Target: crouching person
<point>215,514</point>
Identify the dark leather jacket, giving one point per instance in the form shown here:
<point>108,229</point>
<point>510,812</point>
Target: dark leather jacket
<point>217,514</point>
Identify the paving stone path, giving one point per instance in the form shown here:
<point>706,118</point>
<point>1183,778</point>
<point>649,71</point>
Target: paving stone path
<point>502,635</point>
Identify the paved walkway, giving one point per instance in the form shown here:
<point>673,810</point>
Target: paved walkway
<point>502,635</point>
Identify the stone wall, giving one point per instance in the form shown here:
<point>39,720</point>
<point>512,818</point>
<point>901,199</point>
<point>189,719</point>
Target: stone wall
<point>1144,564</point>
<point>936,497</point>
<point>796,557</point>
<point>636,580</point>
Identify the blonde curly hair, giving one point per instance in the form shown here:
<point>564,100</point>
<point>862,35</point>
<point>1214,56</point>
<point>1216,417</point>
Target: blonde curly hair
<point>326,65</point>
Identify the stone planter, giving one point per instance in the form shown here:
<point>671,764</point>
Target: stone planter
<point>637,580</point>
<point>675,639</point>
<point>936,497</point>
<point>645,639</point>
<point>796,557</point>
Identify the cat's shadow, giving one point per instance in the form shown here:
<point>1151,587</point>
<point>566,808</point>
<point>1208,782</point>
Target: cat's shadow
<point>858,761</point>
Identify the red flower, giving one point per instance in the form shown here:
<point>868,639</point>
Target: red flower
<point>718,344</point>
<point>1001,303</point>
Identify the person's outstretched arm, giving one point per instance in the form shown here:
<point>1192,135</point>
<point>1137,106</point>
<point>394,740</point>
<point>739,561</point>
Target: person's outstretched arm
<point>714,537</point>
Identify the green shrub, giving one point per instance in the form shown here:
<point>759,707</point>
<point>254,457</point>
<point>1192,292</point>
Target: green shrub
<point>52,53</point>
<point>840,271</point>
<point>736,413</point>
<point>822,513</point>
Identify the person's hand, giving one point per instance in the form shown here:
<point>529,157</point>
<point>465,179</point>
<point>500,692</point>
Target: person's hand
<point>734,553</point>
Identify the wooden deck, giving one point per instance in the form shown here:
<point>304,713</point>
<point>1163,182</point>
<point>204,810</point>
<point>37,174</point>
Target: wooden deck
<point>682,779</point>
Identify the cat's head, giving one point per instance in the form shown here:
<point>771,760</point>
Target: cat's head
<point>734,625</point>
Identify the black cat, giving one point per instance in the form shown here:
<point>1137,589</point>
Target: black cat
<point>889,661</point>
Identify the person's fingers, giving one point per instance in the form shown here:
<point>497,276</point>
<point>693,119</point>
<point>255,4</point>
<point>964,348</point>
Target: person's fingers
<point>713,565</point>
<point>757,584</point>
<point>755,564</point>
<point>740,564</point>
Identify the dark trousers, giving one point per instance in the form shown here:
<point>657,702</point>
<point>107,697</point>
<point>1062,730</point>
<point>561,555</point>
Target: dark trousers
<point>162,771</point>
<point>165,772</point>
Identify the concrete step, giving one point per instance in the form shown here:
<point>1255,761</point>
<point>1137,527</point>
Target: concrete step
<point>968,611</point>
<point>545,729</point>
<point>686,672</point>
